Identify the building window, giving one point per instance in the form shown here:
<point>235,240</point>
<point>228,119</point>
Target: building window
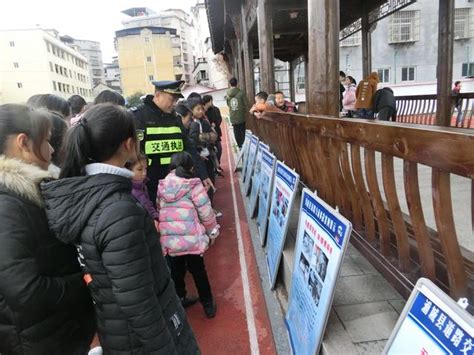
<point>51,67</point>
<point>12,44</point>
<point>147,39</point>
<point>20,85</point>
<point>150,77</point>
<point>408,74</point>
<point>463,27</point>
<point>384,75</point>
<point>48,47</point>
<point>54,86</point>
<point>404,26</point>
<point>148,59</point>
<point>352,41</point>
<point>467,69</point>
<point>177,60</point>
<point>16,65</point>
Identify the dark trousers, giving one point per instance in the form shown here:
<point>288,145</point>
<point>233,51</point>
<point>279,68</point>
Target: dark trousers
<point>195,265</point>
<point>219,151</point>
<point>211,172</point>
<point>365,113</point>
<point>239,133</point>
<point>387,114</point>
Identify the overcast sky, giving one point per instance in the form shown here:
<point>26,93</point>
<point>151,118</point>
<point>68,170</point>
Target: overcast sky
<point>95,20</point>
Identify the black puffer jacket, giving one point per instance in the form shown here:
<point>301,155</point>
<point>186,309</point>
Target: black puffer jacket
<point>44,304</point>
<point>137,309</point>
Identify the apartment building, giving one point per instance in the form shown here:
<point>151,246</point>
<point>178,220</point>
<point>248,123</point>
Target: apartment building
<point>176,19</point>
<point>405,45</point>
<point>91,50</point>
<point>36,61</point>
<point>146,54</point>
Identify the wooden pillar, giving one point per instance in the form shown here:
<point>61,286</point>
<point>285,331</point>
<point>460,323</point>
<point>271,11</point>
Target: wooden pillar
<point>292,80</point>
<point>366,42</point>
<point>248,59</point>
<point>265,45</point>
<point>240,65</point>
<point>445,62</point>
<point>323,57</point>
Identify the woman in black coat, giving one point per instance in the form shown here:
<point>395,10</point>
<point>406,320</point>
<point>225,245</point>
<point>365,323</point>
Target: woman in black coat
<point>91,206</point>
<point>44,304</point>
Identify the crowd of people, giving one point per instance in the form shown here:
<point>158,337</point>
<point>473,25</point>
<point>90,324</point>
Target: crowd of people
<point>103,211</point>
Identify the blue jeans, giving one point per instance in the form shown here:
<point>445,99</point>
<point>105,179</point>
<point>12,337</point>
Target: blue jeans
<point>365,113</point>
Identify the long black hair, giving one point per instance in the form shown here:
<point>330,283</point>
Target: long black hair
<point>17,119</point>
<point>183,163</point>
<point>96,138</point>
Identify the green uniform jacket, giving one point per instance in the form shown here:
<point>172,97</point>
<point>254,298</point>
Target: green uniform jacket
<point>238,105</point>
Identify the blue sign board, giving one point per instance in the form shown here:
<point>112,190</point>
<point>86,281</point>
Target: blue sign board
<point>244,152</point>
<point>283,196</point>
<point>321,242</point>
<point>264,197</point>
<point>249,163</point>
<point>432,323</point>
<point>256,177</point>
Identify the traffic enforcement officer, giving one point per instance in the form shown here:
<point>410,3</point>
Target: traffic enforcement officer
<point>160,133</point>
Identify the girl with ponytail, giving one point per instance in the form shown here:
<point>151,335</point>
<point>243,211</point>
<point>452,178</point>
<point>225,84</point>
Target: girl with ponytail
<point>92,208</point>
<point>187,227</point>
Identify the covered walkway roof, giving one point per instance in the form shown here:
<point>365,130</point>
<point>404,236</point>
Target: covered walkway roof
<point>290,23</point>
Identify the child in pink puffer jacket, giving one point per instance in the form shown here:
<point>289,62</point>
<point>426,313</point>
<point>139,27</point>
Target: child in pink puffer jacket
<point>187,226</point>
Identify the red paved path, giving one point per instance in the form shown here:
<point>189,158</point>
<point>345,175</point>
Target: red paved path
<point>227,333</point>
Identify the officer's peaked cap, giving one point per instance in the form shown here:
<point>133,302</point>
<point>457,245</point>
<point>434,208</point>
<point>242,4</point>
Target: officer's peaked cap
<point>169,86</point>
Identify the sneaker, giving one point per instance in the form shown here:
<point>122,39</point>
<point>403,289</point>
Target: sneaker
<point>210,309</point>
<point>218,214</point>
<point>189,301</point>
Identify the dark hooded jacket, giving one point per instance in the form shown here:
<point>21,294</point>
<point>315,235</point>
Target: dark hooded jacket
<point>136,305</point>
<point>44,304</point>
<point>384,98</point>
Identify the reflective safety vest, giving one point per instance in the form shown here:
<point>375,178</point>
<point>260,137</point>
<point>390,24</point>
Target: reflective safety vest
<point>162,142</point>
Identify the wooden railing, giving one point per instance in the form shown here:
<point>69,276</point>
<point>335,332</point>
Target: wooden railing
<point>421,109</point>
<point>338,159</point>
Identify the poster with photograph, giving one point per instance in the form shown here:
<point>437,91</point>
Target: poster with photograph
<point>321,242</point>
<point>256,177</point>
<point>250,163</point>
<point>283,195</point>
<point>244,151</point>
<point>432,323</point>
<point>267,169</point>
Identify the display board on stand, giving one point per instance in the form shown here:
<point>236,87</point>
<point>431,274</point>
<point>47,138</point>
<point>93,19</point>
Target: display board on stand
<point>283,194</point>
<point>267,170</point>
<point>244,151</point>
<point>432,323</point>
<point>322,239</point>
<point>256,177</point>
<point>250,163</point>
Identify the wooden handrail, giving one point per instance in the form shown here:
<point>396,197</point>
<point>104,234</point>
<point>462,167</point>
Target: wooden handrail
<point>327,152</point>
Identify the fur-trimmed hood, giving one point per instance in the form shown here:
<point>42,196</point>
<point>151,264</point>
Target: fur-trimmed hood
<point>22,179</point>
